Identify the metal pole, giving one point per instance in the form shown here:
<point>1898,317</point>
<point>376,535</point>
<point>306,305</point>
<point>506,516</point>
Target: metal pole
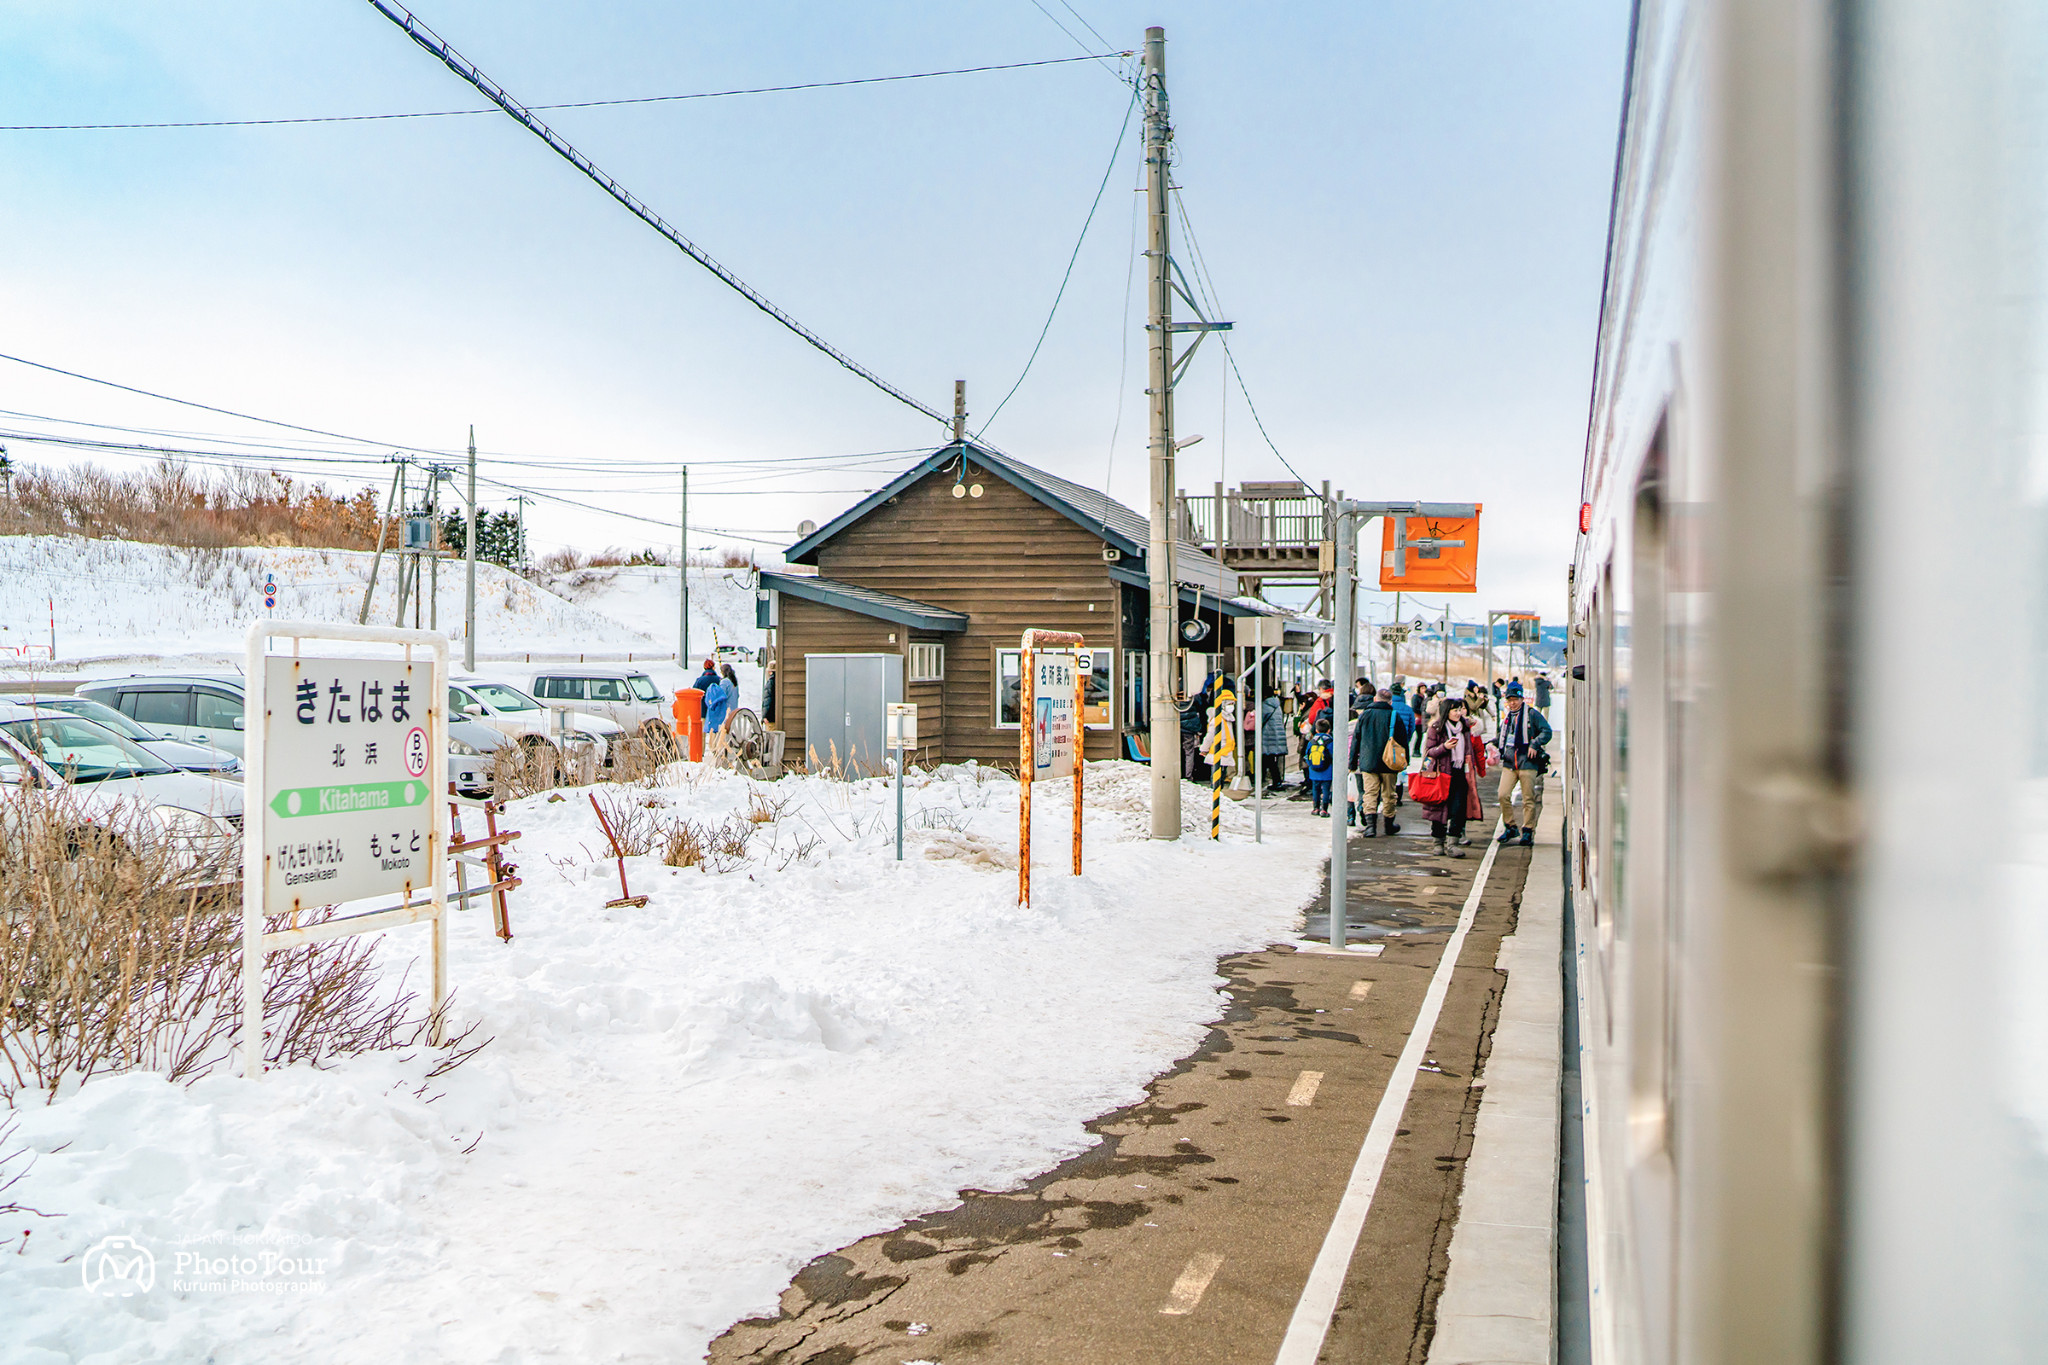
<point>469,590</point>
<point>1024,760</point>
<point>390,501</point>
<point>1447,647</point>
<point>1163,594</point>
<point>899,803</point>
<point>434,561</point>
<point>1258,749</point>
<point>405,506</point>
<point>683,574</point>
<point>1394,668</point>
<point>1340,706</point>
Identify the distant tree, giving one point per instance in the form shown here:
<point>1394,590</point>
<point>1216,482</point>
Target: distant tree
<point>497,536</point>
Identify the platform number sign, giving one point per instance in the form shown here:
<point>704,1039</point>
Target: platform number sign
<point>270,592</point>
<point>347,779</point>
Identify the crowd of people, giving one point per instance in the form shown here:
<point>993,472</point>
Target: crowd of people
<point>1430,743</point>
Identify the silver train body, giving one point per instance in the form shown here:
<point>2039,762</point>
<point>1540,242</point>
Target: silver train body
<point>1807,764</point>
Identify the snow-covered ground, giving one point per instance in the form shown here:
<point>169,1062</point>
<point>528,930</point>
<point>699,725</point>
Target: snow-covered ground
<point>681,1104</point>
<point>121,602</point>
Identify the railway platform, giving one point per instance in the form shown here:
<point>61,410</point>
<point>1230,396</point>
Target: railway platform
<point>1199,1228</point>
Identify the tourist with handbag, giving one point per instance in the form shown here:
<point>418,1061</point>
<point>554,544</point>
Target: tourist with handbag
<point>1448,787</point>
<point>1379,755</point>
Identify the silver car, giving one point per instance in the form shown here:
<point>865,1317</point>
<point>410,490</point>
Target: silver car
<point>199,708</point>
<point>192,758</point>
<point>119,785</point>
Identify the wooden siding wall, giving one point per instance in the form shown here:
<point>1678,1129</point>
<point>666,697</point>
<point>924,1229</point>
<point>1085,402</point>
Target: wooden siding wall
<point>814,628</point>
<point>1005,559</point>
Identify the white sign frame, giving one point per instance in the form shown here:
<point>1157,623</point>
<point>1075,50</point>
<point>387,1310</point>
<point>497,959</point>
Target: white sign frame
<point>257,942</point>
<point>902,723</point>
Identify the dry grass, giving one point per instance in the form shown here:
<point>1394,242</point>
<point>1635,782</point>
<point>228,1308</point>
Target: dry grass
<point>115,956</point>
<point>174,504</point>
<point>519,770</point>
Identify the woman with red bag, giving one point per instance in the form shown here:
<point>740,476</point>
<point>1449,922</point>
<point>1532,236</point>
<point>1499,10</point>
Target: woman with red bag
<point>1448,787</point>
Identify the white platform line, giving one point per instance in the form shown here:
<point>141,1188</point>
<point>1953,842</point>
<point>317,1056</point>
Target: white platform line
<point>1359,989</point>
<point>1187,1291</point>
<point>1304,1092</point>
<point>1318,1303</point>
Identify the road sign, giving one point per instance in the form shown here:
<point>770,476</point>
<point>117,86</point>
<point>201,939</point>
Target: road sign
<point>269,592</point>
<point>345,764</point>
<point>1393,635</point>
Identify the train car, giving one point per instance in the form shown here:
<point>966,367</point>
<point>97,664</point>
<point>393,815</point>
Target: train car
<point>1807,770</point>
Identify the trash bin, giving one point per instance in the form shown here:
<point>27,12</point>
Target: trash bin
<point>689,713</point>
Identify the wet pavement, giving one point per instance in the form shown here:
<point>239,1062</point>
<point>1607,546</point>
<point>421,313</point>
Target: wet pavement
<point>1187,1232</point>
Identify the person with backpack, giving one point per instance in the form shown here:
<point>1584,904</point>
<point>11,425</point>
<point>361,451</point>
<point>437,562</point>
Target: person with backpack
<point>1379,753</point>
<point>1317,760</point>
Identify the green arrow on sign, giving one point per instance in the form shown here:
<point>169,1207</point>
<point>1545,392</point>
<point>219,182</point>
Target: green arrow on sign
<point>345,800</point>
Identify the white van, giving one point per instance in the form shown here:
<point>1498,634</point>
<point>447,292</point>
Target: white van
<point>512,712</point>
<point>631,698</point>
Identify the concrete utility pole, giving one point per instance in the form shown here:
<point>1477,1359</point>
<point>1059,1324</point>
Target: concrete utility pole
<point>1159,387</point>
<point>390,502</point>
<point>469,591</point>
<point>404,554</point>
<point>434,564</point>
<point>959,412</point>
<point>683,574</point>
<point>522,500</point>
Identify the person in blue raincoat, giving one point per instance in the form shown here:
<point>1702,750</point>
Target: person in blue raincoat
<point>713,687</point>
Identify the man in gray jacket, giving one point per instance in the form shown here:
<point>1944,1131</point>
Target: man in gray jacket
<point>1522,737</point>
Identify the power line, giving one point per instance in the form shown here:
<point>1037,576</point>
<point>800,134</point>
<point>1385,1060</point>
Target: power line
<point>432,43</point>
<point>1076,40</point>
<point>573,104</point>
<point>1107,171</point>
<point>1207,284</point>
<point>207,407</point>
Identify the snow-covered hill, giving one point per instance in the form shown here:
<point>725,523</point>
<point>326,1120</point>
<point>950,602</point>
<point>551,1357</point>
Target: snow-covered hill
<point>118,601</point>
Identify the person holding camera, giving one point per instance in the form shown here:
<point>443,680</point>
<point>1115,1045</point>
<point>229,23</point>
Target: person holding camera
<point>1523,735</point>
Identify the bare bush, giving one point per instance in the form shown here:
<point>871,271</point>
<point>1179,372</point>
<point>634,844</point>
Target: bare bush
<point>522,769</point>
<point>763,811</point>
<point>171,503</point>
<point>643,759</point>
<point>684,843</point>
<point>634,817</point>
<point>116,955</point>
<point>727,849</point>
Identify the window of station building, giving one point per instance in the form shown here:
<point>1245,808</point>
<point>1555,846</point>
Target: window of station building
<point>1099,697</point>
<point>927,662</point>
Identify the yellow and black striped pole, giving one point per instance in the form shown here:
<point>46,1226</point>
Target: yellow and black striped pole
<point>1222,737</point>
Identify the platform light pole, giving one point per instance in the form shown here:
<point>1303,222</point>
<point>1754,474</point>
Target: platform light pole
<point>469,555</point>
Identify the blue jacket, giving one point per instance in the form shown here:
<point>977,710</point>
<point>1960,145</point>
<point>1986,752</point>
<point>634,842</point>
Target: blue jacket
<point>1404,711</point>
<point>715,699</point>
<point>1320,771</point>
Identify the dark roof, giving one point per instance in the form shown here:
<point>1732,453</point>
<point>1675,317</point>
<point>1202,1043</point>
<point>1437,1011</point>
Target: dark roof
<point>866,601</point>
<point>1117,524</point>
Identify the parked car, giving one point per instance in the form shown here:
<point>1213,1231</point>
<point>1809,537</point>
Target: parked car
<point>631,699</point>
<point>471,755</point>
<point>198,708</point>
<point>512,712</point>
<point>192,758</point>
<point>118,786</point>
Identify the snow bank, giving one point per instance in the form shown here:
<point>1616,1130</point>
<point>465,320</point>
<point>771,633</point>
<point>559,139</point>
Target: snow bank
<point>121,600</point>
<point>683,1103</point>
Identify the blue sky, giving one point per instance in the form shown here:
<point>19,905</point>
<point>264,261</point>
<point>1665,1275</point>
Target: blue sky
<point>1403,208</point>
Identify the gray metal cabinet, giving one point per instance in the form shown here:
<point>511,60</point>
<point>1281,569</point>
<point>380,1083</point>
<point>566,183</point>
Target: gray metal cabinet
<point>846,708</point>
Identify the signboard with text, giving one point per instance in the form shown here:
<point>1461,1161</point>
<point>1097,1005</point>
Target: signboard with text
<point>1053,730</point>
<point>348,779</point>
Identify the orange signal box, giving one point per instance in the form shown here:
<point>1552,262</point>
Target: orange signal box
<point>1429,554</point>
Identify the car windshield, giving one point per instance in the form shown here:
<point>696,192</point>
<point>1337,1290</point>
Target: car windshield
<point>505,698</point>
<point>103,714</point>
<point>84,751</point>
<point>644,688</point>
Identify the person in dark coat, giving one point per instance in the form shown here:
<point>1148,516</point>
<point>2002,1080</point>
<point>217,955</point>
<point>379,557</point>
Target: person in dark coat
<point>1193,722</point>
<point>1454,745</point>
<point>1377,724</point>
<point>1273,742</point>
<point>1523,734</point>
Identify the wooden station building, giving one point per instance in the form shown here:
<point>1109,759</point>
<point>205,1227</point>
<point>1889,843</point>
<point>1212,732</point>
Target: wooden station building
<point>943,570</point>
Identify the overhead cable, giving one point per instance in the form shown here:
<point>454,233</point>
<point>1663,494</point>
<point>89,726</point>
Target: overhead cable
<point>571,104</point>
<point>432,43</point>
<point>1115,151</point>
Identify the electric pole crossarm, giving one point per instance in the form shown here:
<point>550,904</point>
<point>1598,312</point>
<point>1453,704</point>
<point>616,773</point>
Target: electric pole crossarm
<point>496,94</point>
